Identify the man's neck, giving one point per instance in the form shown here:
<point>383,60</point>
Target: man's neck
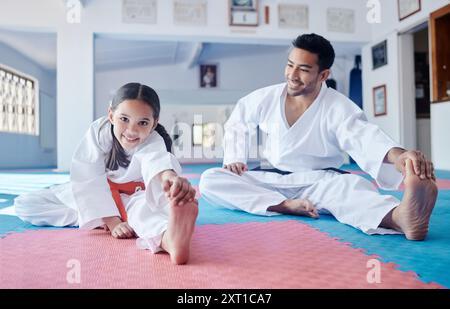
<point>304,100</point>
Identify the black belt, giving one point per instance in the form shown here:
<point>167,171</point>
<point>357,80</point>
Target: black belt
<point>275,170</point>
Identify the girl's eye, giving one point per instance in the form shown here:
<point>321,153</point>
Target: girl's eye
<point>124,119</point>
<point>143,123</point>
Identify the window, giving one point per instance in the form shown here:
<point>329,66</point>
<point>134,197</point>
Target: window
<point>19,104</point>
<point>204,135</point>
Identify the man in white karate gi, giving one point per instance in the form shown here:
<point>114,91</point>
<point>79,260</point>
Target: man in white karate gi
<point>308,127</point>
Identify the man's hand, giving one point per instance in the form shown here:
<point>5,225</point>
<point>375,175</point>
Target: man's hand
<point>237,168</point>
<point>422,167</point>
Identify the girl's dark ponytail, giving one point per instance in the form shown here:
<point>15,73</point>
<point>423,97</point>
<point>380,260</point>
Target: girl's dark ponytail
<point>117,156</point>
<point>167,140</point>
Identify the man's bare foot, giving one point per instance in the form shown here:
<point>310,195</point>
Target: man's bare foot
<point>177,238</point>
<point>412,216</point>
<point>296,207</point>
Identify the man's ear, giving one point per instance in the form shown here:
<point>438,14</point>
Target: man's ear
<point>110,115</point>
<point>323,76</point>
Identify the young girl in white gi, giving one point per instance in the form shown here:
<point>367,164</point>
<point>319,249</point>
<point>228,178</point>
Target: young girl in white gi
<point>124,179</point>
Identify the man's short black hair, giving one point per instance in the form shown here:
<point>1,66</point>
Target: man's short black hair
<point>318,45</point>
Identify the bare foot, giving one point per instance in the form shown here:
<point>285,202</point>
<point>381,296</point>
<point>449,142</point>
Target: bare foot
<point>412,216</point>
<point>296,207</point>
<point>177,238</point>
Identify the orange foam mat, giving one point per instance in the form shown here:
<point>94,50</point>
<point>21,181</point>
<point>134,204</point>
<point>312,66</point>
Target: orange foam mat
<point>285,254</point>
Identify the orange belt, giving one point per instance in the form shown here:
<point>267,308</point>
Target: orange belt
<point>127,188</point>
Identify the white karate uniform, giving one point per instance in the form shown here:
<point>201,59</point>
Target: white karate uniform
<point>87,198</point>
<point>333,124</point>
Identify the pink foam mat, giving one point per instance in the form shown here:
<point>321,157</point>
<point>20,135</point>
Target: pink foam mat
<point>443,184</point>
<point>285,254</point>
<point>192,176</point>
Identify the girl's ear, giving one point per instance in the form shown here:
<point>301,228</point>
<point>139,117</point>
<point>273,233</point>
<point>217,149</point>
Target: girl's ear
<point>155,124</point>
<point>110,115</point>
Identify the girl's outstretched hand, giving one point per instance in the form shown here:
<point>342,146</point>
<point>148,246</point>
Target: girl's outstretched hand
<point>178,189</point>
<point>118,228</point>
<point>123,230</point>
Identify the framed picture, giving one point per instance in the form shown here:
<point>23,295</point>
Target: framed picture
<point>341,20</point>
<point>139,11</point>
<point>204,134</point>
<point>407,8</point>
<point>190,12</point>
<point>293,16</point>
<point>379,101</point>
<point>243,12</point>
<point>208,75</point>
<point>379,55</point>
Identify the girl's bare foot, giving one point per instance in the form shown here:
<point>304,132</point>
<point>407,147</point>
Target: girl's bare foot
<point>412,216</point>
<point>177,238</point>
<point>296,207</point>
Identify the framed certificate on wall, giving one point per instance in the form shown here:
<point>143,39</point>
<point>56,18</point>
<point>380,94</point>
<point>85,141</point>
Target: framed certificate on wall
<point>379,55</point>
<point>243,12</point>
<point>407,8</point>
<point>379,101</point>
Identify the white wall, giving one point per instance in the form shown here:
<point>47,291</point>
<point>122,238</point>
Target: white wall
<point>20,150</point>
<point>386,75</point>
<point>105,17</point>
<point>341,71</point>
<point>177,84</point>
<point>390,22</point>
<point>75,112</point>
<point>389,28</point>
<point>440,141</point>
<point>424,136</point>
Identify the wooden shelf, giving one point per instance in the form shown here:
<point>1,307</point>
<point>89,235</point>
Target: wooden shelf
<point>440,53</point>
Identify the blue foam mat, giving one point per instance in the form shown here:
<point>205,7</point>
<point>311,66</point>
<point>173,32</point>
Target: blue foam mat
<point>12,224</point>
<point>6,200</point>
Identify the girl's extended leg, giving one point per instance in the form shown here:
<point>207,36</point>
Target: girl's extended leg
<point>177,238</point>
<point>46,208</point>
<point>163,227</point>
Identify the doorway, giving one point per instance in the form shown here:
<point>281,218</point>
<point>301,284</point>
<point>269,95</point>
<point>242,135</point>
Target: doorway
<point>422,90</point>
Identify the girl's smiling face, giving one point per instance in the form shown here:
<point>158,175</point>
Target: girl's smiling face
<point>133,122</point>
